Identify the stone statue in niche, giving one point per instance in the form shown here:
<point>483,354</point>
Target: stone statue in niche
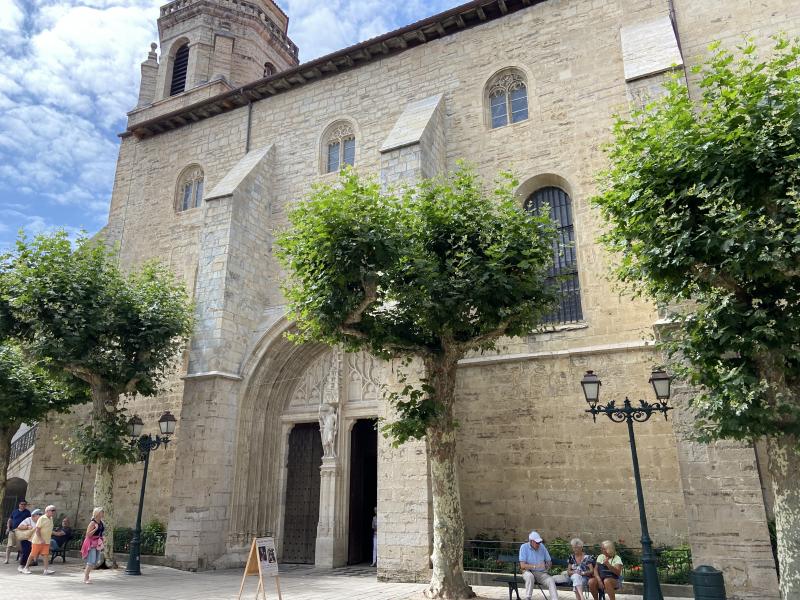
<point>328,427</point>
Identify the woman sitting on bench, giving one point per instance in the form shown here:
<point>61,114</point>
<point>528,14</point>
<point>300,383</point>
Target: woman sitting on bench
<point>579,568</point>
<point>607,572</point>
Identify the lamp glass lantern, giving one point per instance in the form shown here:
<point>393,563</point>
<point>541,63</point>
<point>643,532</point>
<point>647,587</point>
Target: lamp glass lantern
<point>591,387</point>
<point>662,383</point>
<point>135,426</point>
<point>167,423</point>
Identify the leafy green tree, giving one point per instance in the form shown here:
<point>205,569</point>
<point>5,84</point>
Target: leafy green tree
<point>28,392</point>
<point>119,333</point>
<point>429,272</point>
<point>703,202</point>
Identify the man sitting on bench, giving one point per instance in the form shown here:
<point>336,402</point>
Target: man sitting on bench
<point>61,535</point>
<point>534,560</point>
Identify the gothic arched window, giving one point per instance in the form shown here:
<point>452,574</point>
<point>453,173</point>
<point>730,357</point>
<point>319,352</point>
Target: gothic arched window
<point>507,97</point>
<point>190,189</point>
<point>340,146</point>
<point>179,66</point>
<point>269,69</point>
<point>564,272</point>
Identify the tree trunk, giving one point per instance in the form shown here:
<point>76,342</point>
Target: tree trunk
<point>6,433</point>
<point>447,581</point>
<point>784,467</point>
<point>104,401</point>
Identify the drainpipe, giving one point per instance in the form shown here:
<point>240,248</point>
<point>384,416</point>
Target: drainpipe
<point>674,20</point>
<point>249,122</point>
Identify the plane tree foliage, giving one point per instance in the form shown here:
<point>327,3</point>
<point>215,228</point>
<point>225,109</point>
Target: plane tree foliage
<point>427,272</point>
<point>119,332</point>
<point>702,199</point>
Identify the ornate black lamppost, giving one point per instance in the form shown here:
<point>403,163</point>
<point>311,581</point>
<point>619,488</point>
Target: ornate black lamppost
<point>145,443</point>
<point>628,413</point>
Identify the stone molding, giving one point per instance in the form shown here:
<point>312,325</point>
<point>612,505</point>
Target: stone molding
<point>211,374</point>
<point>586,350</point>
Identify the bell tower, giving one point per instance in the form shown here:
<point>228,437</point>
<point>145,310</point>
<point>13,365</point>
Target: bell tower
<point>203,41</point>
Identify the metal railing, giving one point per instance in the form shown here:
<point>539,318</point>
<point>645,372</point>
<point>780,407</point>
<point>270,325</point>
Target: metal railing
<point>153,544</point>
<point>674,564</point>
<point>23,443</point>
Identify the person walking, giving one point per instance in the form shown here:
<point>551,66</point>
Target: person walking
<point>18,515</point>
<point>93,543</point>
<point>374,537</point>
<point>24,533</point>
<point>40,541</point>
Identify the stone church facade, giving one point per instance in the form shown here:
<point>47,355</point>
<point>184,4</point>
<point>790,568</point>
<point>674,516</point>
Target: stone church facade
<point>274,438</point>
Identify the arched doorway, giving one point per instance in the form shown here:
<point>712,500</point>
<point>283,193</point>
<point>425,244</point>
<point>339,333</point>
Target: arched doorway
<point>363,490</point>
<point>287,482</point>
<point>16,489</point>
<point>302,494</point>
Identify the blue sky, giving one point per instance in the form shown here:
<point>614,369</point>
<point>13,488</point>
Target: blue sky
<point>69,71</point>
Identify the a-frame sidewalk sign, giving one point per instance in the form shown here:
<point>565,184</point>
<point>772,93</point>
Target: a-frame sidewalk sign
<point>262,561</point>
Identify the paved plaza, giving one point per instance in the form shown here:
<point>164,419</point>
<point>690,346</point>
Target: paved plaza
<point>297,583</point>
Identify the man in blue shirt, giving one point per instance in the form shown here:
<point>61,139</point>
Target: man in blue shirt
<point>534,560</point>
<point>17,517</point>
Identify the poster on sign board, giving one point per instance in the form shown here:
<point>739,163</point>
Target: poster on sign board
<point>267,556</point>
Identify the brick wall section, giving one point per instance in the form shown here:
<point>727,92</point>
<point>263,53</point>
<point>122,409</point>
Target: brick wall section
<point>725,505</point>
<point>229,296</point>
<point>531,458</point>
<point>405,505</point>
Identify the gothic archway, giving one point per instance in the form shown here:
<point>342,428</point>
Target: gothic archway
<point>285,385</point>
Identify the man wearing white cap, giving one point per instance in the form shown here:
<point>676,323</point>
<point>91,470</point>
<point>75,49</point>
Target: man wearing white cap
<point>534,560</point>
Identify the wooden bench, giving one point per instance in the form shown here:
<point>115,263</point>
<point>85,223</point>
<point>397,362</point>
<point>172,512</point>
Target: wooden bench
<point>59,551</point>
<point>513,580</point>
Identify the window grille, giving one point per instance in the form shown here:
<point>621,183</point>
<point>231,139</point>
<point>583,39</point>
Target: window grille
<point>341,148</point>
<point>179,67</point>
<point>190,190</point>
<point>508,99</point>
<point>564,272</point>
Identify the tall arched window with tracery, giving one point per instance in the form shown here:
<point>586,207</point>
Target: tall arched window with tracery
<point>190,189</point>
<point>339,146</point>
<point>564,272</point>
<point>507,97</point>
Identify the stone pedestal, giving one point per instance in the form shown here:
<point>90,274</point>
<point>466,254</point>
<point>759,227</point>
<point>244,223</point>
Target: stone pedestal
<point>331,548</point>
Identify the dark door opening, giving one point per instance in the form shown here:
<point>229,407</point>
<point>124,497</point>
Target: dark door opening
<point>15,491</point>
<point>363,490</point>
<point>302,494</point>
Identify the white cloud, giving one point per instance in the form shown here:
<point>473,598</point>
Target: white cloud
<point>319,28</point>
<point>11,16</point>
<point>71,72</point>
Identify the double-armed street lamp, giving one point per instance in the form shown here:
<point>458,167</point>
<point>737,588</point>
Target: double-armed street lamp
<point>628,413</point>
<point>144,444</point>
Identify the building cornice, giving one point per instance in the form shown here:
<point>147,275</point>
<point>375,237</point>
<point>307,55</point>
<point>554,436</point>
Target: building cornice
<point>395,42</point>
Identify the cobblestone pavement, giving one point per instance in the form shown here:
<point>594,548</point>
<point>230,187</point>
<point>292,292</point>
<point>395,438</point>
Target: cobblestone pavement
<point>297,583</point>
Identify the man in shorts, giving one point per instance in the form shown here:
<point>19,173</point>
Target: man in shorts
<point>40,540</point>
<point>18,516</point>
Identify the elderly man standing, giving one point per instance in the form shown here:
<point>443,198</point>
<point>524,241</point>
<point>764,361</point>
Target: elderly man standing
<point>17,517</point>
<point>534,560</point>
